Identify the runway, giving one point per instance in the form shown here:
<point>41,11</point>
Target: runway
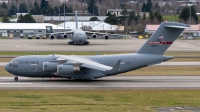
<point>96,45</point>
<point>112,82</point>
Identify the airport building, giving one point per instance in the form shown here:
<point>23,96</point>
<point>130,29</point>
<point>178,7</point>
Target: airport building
<point>61,18</point>
<point>93,25</point>
<point>25,29</point>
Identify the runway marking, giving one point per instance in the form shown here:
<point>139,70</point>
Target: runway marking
<point>15,83</point>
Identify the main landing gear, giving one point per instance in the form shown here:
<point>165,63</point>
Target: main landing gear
<point>71,43</point>
<point>78,43</point>
<point>16,78</point>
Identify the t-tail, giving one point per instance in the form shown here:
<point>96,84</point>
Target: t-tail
<point>162,38</point>
<point>76,19</point>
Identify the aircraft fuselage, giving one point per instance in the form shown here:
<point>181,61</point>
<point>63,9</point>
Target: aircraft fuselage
<point>79,37</point>
<point>33,66</point>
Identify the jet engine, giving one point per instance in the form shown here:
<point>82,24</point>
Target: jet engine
<point>67,69</point>
<point>64,36</point>
<point>106,37</point>
<point>29,37</point>
<point>50,66</point>
<point>37,37</point>
<point>94,36</point>
<point>51,36</point>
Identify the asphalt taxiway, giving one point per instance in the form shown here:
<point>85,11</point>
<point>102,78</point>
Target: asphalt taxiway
<point>96,45</point>
<point>112,82</point>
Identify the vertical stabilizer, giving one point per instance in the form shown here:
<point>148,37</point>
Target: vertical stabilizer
<point>76,19</point>
<point>162,38</point>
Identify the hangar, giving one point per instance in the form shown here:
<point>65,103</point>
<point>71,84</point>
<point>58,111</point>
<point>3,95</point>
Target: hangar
<point>94,25</point>
<point>25,29</point>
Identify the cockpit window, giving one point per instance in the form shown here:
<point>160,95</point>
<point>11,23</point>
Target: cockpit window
<point>15,61</point>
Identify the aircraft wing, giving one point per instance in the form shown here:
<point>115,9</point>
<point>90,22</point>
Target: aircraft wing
<point>68,32</point>
<point>99,33</point>
<point>84,62</point>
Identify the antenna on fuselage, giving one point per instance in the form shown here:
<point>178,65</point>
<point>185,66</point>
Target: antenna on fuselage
<point>76,19</point>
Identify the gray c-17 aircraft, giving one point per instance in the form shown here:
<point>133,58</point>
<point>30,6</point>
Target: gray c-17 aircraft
<point>78,35</point>
<point>92,67</point>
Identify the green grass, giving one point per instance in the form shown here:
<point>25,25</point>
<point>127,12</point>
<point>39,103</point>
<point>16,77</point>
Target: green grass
<point>171,17</point>
<point>165,71</point>
<point>95,100</point>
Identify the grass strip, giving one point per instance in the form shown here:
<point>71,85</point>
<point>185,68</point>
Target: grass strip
<point>150,71</point>
<point>95,100</point>
<point>165,71</point>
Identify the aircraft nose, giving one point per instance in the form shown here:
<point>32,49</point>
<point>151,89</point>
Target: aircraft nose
<point>7,67</point>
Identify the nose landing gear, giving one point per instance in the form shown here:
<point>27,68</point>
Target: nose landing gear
<point>16,78</point>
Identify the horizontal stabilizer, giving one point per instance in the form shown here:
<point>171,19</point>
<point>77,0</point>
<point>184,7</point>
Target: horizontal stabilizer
<point>172,26</point>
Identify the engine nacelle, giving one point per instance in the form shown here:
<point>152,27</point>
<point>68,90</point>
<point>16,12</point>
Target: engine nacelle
<point>64,36</point>
<point>37,37</point>
<point>49,66</point>
<point>29,37</point>
<point>51,36</point>
<point>106,37</point>
<point>94,36</point>
<point>67,69</point>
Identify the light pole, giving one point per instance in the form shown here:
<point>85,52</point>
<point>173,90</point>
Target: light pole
<point>59,13</point>
<point>64,14</point>
<point>190,13</point>
<point>190,17</point>
<point>132,2</point>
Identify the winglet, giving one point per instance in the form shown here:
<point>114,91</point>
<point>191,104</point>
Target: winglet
<point>116,67</point>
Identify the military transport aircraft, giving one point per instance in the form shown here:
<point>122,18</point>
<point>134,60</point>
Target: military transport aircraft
<point>92,67</point>
<point>78,35</point>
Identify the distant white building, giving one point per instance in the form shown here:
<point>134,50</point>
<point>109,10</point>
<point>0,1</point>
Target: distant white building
<point>118,12</point>
<point>72,18</point>
<point>96,26</point>
<point>15,29</point>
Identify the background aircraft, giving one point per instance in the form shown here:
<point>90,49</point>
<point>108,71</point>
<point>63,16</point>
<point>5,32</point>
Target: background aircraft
<point>78,35</point>
<point>92,67</point>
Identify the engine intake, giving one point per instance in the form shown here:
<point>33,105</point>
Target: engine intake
<point>67,69</point>
<point>106,37</point>
<point>65,36</point>
<point>37,37</point>
<point>51,36</point>
<point>49,66</point>
<point>94,36</point>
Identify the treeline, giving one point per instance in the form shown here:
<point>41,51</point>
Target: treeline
<point>135,20</point>
<point>42,8</point>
